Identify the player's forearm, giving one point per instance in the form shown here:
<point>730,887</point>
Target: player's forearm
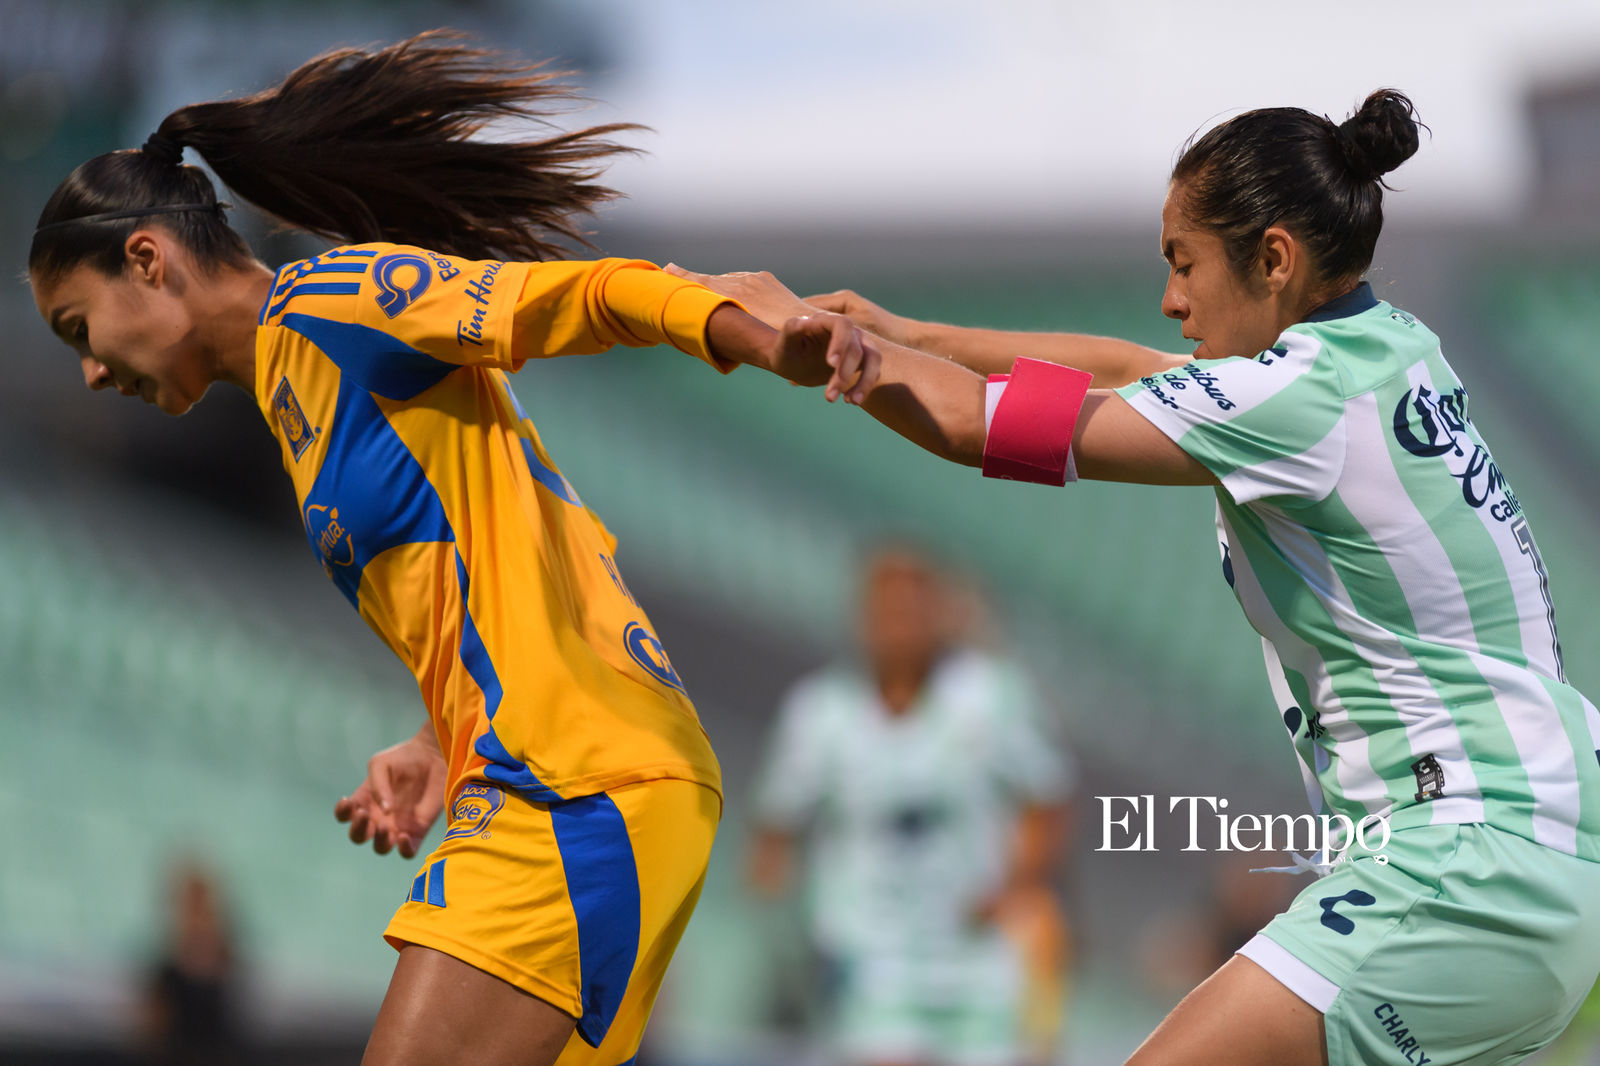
<point>1113,362</point>
<point>933,403</point>
<point>735,337</point>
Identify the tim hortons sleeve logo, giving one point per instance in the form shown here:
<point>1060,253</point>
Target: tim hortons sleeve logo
<point>469,328</point>
<point>297,432</point>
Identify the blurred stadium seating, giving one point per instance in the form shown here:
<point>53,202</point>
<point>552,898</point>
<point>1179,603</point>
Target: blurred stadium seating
<point>154,707</point>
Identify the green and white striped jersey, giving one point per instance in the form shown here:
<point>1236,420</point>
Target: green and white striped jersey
<point>912,815</point>
<point>1380,552</point>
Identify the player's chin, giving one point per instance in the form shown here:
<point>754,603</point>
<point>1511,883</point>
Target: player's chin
<point>175,403</point>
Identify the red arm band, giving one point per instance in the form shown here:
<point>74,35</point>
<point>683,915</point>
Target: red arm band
<point>1030,433</point>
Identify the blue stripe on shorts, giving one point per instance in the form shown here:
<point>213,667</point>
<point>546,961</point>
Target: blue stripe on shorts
<point>603,884</point>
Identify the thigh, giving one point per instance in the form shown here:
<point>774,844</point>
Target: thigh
<point>1485,969</point>
<point>440,1011</point>
<point>671,826</point>
<point>577,905</point>
<point>1459,944</point>
<point>1239,1016</point>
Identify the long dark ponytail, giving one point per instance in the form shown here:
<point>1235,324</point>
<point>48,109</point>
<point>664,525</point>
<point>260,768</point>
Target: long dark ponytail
<point>1287,166</point>
<point>355,146</point>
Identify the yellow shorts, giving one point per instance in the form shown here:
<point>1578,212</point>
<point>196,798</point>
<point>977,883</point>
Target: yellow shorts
<point>580,902</point>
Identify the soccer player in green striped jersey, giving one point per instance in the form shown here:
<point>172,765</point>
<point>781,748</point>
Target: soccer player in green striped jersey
<point>1377,547</point>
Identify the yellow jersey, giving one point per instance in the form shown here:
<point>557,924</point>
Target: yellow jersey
<point>432,505</point>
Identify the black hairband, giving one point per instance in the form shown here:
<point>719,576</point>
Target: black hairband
<point>137,212</point>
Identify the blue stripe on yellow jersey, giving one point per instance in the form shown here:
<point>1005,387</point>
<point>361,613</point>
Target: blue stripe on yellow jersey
<point>433,506</point>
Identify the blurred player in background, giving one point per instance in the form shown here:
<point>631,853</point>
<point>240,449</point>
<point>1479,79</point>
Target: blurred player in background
<point>583,793</point>
<point>936,804</point>
<point>1377,546</point>
<point>191,998</point>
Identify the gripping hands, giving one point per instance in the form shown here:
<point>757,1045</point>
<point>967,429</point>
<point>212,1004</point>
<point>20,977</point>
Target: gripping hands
<point>814,346</point>
<point>819,347</point>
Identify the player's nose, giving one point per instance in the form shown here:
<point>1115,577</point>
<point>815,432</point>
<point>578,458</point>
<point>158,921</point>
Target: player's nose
<point>1174,304</point>
<point>96,375</point>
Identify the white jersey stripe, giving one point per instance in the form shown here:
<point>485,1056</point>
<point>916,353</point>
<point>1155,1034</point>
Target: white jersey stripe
<point>1530,716</point>
<point>1429,728</point>
<point>1535,726</point>
<point>1358,782</point>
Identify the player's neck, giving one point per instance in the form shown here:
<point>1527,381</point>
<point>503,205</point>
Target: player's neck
<point>228,323</point>
<point>900,687</point>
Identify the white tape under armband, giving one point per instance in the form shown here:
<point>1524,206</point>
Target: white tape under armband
<point>1029,417</point>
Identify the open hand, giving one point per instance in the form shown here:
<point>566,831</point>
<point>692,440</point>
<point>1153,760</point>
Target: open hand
<point>401,797</point>
<point>759,293</point>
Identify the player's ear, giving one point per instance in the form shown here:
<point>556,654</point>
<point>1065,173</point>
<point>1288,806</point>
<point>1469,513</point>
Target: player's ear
<point>145,258</point>
<point>1280,254</point>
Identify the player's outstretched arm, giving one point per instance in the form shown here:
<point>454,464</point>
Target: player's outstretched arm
<point>941,406</point>
<point>814,348</point>
<point>1113,362</point>
<point>401,797</point>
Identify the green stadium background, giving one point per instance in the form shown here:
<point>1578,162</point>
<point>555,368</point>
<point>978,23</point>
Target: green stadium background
<point>177,680</point>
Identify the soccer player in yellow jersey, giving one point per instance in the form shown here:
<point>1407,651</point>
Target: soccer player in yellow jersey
<point>582,792</point>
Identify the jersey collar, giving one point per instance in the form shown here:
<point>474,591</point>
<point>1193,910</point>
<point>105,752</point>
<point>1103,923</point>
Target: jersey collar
<point>1354,302</point>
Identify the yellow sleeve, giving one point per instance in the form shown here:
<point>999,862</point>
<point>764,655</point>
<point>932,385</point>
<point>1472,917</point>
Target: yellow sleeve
<point>578,307</point>
<point>500,314</point>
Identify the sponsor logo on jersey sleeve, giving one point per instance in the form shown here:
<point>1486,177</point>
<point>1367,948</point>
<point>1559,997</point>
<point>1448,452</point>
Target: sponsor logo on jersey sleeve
<point>1209,383</point>
<point>402,278</point>
<point>469,328</point>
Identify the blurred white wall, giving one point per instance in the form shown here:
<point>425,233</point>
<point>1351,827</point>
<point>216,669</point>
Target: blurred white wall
<point>1046,110</point>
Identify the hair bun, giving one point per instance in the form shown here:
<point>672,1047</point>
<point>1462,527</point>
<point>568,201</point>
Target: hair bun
<point>163,149</point>
<point>1380,136</point>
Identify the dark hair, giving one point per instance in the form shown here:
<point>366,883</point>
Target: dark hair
<point>356,146</point>
<point>1288,167</point>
